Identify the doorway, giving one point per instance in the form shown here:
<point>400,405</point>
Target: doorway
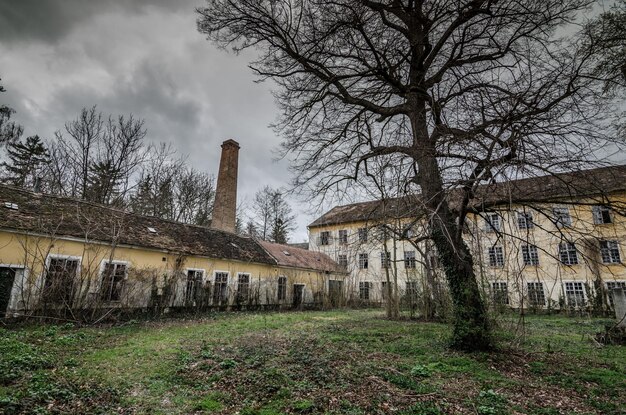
<point>298,295</point>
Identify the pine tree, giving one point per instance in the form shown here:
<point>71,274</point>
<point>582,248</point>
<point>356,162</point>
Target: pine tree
<point>9,130</point>
<point>26,161</point>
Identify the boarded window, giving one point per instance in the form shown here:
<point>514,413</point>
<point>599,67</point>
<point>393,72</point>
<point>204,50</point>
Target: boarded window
<point>536,295</point>
<point>364,290</point>
<point>568,254</point>
<point>409,259</point>
<point>113,277</point>
<point>220,288</point>
<point>363,261</point>
<point>530,255</point>
<point>193,288</point>
<point>243,287</point>
<point>500,293</point>
<point>575,294</point>
<point>60,280</point>
<point>496,256</point>
<point>601,214</point>
<point>610,252</point>
<point>282,288</point>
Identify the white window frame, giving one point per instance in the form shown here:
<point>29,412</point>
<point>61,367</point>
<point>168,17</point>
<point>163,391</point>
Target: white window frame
<point>584,290</point>
<point>98,284</point>
<point>598,217</point>
<point>366,261</point>
<point>496,264</point>
<point>249,284</point>
<point>385,260</point>
<point>569,264</point>
<point>345,256</point>
<point>617,247</point>
<point>530,253</point>
<point>228,281</point>
<point>558,216</point>
<point>543,291</point>
<point>363,234</point>
<point>204,278</point>
<point>369,285</point>
<point>15,289</point>
<point>410,262</point>
<point>609,293</point>
<point>278,299</point>
<point>342,241</point>
<point>493,289</point>
<point>491,225</point>
<point>328,239</point>
<point>525,220</point>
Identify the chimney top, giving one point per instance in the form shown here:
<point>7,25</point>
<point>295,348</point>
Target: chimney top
<point>230,142</point>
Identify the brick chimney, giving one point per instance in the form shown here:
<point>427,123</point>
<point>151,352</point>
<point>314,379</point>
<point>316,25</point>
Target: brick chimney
<point>225,209</point>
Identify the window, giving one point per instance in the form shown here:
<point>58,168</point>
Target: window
<point>243,287</point>
<point>364,290</point>
<point>60,278</point>
<point>325,238</point>
<point>536,295</point>
<point>610,252</point>
<point>343,236</point>
<point>568,254</point>
<point>220,288</point>
<point>500,293</point>
<point>562,217</point>
<point>601,214</point>
<point>575,294</point>
<point>409,259</point>
<point>496,256</point>
<point>193,289</point>
<point>363,261</point>
<point>385,259</point>
<point>282,288</point>
<point>525,220</point>
<point>530,255</point>
<point>362,234</point>
<point>493,222</point>
<point>411,290</point>
<point>113,276</point>
<point>610,286</point>
<point>342,260</point>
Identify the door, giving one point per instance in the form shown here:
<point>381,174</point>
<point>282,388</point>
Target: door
<point>335,292</point>
<point>7,277</point>
<point>298,294</point>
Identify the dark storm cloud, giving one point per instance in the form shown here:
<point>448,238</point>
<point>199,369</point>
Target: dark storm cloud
<point>50,20</point>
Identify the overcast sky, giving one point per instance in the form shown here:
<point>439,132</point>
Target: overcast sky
<point>143,57</point>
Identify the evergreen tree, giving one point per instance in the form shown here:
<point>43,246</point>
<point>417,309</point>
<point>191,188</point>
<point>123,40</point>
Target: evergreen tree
<point>9,131</point>
<point>26,161</point>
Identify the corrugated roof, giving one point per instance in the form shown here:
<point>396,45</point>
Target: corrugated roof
<point>65,217</point>
<point>594,182</point>
<point>289,256</point>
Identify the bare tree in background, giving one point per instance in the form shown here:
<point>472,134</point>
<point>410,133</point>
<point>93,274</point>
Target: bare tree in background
<point>273,216</point>
<point>468,91</point>
<point>9,130</point>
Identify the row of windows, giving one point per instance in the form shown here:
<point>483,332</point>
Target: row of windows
<point>385,260</point>
<point>575,294</point>
<point>560,216</point>
<point>568,254</point>
<point>62,272</point>
<point>326,237</point>
<point>366,287</point>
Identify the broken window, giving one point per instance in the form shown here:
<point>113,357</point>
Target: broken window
<point>364,290</point>
<point>409,259</point>
<point>193,289</point>
<point>500,293</point>
<point>601,214</point>
<point>610,252</point>
<point>575,294</point>
<point>243,287</point>
<point>536,295</point>
<point>325,238</point>
<point>496,256</point>
<point>363,261</point>
<point>525,220</point>
<point>220,288</point>
<point>562,217</point>
<point>113,277</point>
<point>60,279</point>
<point>343,236</point>
<point>568,254</point>
<point>282,288</point>
<point>530,255</point>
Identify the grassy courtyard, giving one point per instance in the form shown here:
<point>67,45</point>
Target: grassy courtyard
<point>352,362</point>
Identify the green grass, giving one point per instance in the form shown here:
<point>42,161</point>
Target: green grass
<point>352,362</point>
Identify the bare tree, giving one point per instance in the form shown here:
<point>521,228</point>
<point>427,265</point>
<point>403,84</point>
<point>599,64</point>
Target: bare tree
<point>466,90</point>
<point>273,215</point>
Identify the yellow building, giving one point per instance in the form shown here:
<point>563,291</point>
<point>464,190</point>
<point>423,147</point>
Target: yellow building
<point>550,241</point>
<point>68,256</point>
